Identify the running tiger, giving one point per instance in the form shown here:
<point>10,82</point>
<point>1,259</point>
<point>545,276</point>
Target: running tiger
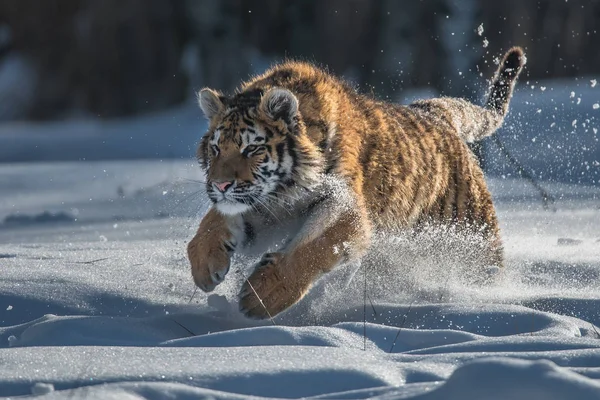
<point>297,149</point>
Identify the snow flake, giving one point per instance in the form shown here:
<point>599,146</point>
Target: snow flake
<point>593,82</point>
<point>480,29</point>
<point>596,106</point>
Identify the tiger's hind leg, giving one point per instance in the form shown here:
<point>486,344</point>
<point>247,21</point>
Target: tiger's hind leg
<point>474,234</point>
<point>484,223</point>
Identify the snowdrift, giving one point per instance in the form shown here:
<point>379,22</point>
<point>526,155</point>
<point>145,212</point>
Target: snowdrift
<point>100,304</point>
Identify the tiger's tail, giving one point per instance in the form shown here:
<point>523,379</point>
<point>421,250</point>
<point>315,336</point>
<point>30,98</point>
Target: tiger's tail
<point>473,122</point>
<point>504,81</point>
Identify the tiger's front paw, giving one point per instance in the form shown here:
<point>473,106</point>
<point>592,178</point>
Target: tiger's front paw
<point>269,290</point>
<point>210,260</point>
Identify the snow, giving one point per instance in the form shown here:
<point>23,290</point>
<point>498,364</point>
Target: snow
<point>101,305</point>
<point>566,146</point>
<point>169,134</point>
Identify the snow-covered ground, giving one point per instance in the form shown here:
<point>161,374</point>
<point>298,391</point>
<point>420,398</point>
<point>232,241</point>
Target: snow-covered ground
<point>96,301</point>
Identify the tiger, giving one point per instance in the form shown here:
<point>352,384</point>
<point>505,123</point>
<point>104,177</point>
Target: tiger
<point>299,148</point>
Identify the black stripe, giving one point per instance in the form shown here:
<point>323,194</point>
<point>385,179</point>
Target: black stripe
<point>456,190</point>
<point>229,246</point>
<point>280,148</point>
<point>248,233</point>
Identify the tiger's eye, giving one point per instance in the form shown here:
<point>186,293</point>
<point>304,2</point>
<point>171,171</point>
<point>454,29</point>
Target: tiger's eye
<point>253,149</point>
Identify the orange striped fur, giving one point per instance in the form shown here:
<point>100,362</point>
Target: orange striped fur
<point>296,143</point>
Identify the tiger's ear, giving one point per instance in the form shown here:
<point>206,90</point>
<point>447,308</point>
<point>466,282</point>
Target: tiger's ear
<point>210,102</point>
<point>278,104</point>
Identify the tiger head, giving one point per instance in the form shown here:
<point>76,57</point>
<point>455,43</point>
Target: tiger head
<point>255,149</point>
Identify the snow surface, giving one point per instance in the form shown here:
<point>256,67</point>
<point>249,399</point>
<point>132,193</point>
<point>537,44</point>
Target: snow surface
<point>168,134</point>
<point>96,301</point>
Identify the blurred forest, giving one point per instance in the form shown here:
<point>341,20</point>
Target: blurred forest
<point>113,58</point>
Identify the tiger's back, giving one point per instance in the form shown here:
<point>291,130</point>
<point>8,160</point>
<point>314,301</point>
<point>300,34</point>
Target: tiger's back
<point>408,163</point>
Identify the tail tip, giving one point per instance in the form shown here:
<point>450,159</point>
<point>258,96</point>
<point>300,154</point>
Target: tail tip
<point>513,62</point>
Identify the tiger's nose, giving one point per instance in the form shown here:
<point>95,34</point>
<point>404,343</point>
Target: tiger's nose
<point>223,186</point>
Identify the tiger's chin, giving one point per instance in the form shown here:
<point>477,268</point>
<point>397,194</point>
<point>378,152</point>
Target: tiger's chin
<point>227,207</point>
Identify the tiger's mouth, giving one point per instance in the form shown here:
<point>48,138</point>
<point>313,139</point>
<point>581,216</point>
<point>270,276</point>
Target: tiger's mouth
<point>239,198</point>
<point>232,202</point>
<point>232,207</point>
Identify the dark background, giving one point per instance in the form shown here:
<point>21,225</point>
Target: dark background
<point>112,58</point>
